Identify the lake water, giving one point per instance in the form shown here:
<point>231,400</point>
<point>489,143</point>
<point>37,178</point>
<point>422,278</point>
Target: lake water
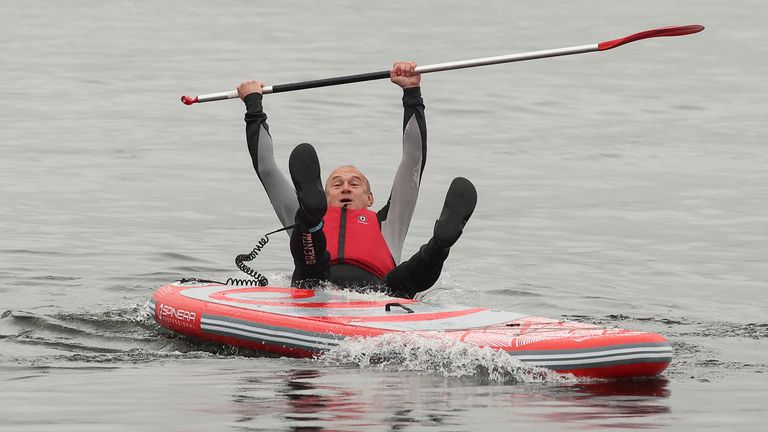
<point>627,188</point>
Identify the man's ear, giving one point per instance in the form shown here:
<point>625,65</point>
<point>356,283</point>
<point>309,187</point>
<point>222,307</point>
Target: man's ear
<point>370,199</point>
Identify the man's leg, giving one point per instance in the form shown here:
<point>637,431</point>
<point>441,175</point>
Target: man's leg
<point>423,269</point>
<point>308,244</point>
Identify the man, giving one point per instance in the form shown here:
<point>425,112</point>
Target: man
<point>336,237</point>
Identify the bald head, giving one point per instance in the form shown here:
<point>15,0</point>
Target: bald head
<point>348,187</point>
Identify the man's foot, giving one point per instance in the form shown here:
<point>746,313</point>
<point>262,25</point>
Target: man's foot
<point>459,204</point>
<point>305,174</point>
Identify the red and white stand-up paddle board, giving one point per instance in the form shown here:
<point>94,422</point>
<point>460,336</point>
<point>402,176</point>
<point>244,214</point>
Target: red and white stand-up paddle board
<point>303,323</point>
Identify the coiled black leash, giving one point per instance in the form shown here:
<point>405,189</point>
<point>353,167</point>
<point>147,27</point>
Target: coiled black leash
<point>240,260</point>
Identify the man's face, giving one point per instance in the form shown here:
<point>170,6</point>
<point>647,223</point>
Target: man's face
<point>348,187</point>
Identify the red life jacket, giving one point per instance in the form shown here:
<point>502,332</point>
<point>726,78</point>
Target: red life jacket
<point>354,237</point>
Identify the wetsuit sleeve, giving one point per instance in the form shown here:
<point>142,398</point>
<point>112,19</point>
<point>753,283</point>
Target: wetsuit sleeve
<point>279,189</point>
<point>395,216</point>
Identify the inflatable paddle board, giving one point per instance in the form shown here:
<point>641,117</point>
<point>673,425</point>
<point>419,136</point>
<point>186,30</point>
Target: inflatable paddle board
<point>303,323</point>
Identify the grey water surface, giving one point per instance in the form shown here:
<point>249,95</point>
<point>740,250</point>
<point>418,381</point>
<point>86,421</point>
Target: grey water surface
<point>627,188</point>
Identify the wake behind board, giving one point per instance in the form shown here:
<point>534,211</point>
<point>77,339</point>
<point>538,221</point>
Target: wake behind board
<point>303,323</point>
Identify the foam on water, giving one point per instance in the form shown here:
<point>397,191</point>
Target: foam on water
<point>126,333</point>
<point>408,352</point>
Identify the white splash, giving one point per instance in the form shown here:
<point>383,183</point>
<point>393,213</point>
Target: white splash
<point>450,358</point>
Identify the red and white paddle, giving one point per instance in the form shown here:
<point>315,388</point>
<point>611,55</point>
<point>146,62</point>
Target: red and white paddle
<point>602,46</point>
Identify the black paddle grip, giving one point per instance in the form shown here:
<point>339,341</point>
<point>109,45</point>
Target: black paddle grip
<point>330,81</point>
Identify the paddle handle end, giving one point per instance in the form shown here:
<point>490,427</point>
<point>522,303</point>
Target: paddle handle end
<point>188,100</point>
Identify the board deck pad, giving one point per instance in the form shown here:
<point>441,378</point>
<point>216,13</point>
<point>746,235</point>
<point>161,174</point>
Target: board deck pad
<point>304,323</point>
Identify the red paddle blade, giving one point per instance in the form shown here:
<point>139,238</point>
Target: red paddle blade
<point>659,32</point>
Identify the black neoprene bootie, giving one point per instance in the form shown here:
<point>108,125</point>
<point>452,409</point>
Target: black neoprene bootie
<point>459,204</point>
<point>305,174</point>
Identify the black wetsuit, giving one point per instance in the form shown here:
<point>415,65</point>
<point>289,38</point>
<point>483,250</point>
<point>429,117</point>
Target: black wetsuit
<point>420,271</point>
